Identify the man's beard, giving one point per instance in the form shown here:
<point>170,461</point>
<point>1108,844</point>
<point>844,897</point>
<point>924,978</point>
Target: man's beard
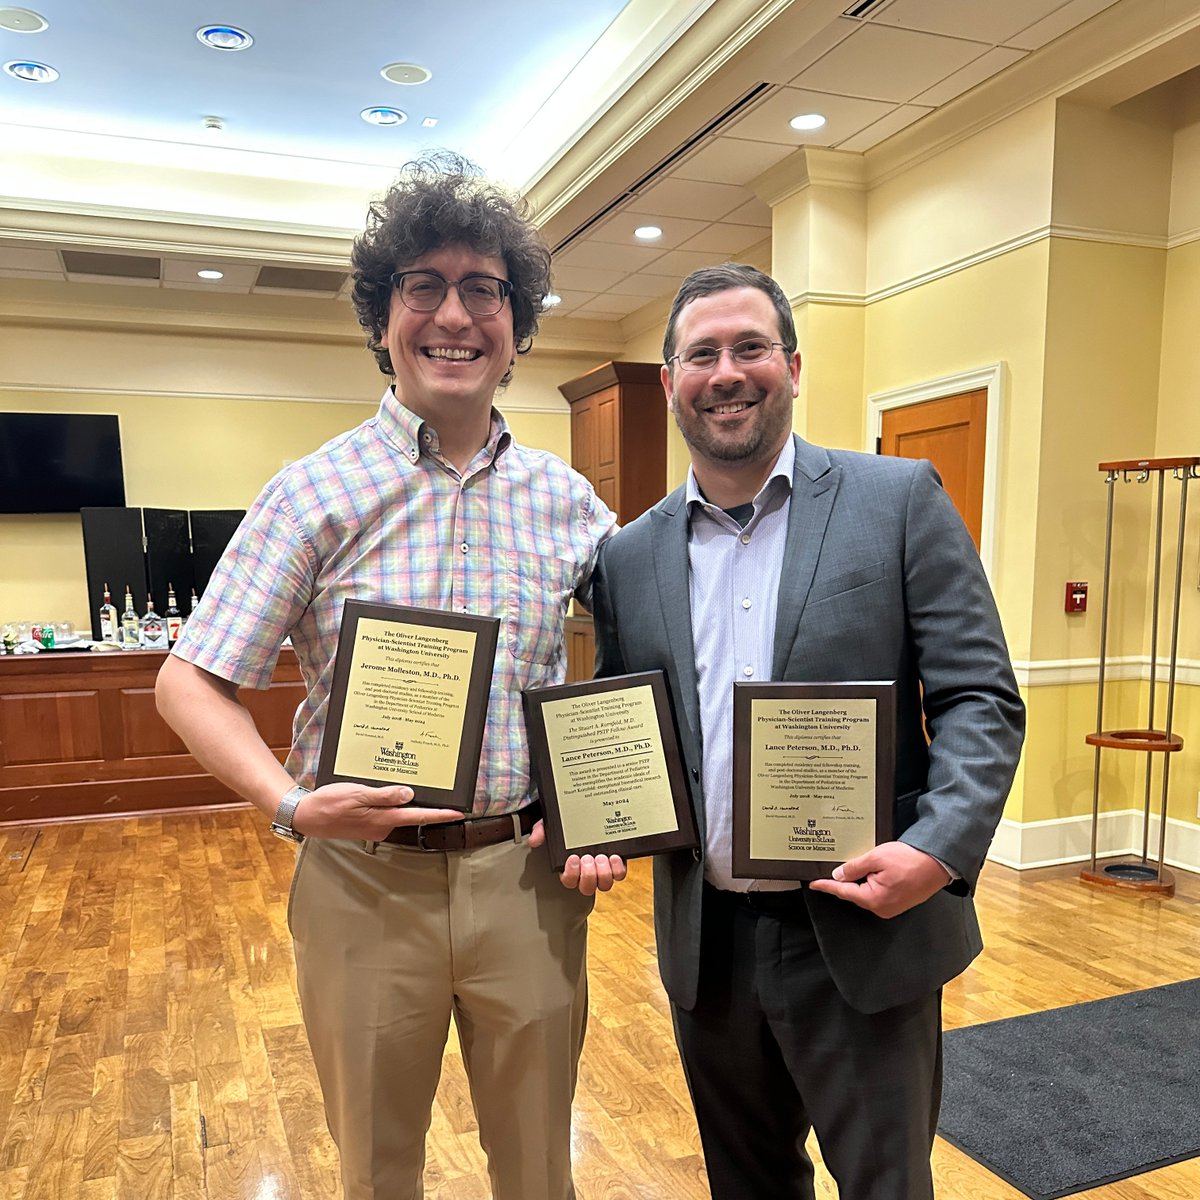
<point>764,432</point>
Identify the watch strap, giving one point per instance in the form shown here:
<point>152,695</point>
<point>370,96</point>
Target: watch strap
<point>281,826</point>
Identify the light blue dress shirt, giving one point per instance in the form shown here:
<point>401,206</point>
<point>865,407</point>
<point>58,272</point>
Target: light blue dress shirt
<point>734,589</point>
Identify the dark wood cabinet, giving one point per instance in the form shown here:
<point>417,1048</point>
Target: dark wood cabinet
<point>619,434</point>
<point>619,442</point>
<point>80,736</point>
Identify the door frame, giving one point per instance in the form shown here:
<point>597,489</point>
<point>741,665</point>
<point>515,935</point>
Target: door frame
<point>991,377</point>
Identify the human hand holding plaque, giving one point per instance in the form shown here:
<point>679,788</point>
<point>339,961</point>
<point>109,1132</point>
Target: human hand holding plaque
<point>359,811</point>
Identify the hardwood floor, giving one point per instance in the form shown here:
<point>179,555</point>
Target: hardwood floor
<point>151,1045</point>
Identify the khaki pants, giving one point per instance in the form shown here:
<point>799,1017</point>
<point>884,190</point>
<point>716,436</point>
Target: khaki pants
<point>390,942</point>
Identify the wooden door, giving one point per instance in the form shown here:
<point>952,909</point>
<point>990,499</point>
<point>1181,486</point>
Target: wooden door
<point>951,433</point>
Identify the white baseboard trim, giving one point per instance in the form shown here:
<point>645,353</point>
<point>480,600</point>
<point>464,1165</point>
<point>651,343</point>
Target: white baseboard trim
<point>1051,672</point>
<point>1069,839</point>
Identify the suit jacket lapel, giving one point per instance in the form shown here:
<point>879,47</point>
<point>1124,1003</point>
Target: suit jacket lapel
<point>669,537</point>
<point>814,487</point>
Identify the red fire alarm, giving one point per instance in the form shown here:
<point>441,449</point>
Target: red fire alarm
<point>1076,597</point>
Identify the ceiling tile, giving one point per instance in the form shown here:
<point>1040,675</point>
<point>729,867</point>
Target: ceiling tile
<point>14,273</point>
<point>734,160</point>
<point>628,256</point>
<point>585,279</point>
<point>1061,21</point>
<point>844,115</point>
<point>25,258</point>
<point>722,238</point>
<point>618,230</point>
<point>897,119</point>
<point>570,300</point>
<point>183,270</point>
<point>980,20</point>
<point>974,73</point>
<point>688,198</point>
<point>754,212</point>
<point>596,310</point>
<point>882,63</point>
<point>821,43</point>
<point>683,262</point>
<point>612,305</point>
<point>646,286</point>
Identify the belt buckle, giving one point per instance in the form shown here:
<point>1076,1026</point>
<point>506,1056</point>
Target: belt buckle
<point>421,841</point>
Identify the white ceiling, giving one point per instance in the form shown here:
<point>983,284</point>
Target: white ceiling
<point>118,138</point>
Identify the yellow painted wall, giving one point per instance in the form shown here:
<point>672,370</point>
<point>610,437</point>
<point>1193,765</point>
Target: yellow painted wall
<point>1103,336</point>
<point>215,452</point>
<point>829,410</point>
<point>991,312</point>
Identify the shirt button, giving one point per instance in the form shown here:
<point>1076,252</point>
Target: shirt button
<point>747,670</point>
<point>746,602</point>
<point>464,547</point>
<point>745,539</point>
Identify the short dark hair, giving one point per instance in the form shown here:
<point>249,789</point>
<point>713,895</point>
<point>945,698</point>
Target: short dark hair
<point>442,199</point>
<point>708,280</point>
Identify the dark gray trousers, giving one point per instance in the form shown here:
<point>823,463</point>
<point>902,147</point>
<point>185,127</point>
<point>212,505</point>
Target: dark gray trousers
<point>771,1050</point>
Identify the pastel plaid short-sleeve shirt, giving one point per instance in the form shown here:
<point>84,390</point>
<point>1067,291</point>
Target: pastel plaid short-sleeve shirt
<point>377,514</point>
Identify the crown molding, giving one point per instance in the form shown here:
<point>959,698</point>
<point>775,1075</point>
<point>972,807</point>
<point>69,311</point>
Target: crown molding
<point>163,232</point>
<point>810,166</point>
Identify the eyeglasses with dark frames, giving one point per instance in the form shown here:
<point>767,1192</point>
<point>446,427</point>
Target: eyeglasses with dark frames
<point>747,352</point>
<point>424,291</point>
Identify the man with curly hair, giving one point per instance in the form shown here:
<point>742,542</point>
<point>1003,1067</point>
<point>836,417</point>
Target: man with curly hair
<point>403,918</point>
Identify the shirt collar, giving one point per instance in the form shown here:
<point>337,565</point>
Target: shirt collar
<point>414,436</point>
<point>785,465</point>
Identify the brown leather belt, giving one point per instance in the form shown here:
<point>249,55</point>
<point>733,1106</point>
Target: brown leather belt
<point>465,835</point>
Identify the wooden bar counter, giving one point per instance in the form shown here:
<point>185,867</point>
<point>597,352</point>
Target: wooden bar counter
<point>80,736</point>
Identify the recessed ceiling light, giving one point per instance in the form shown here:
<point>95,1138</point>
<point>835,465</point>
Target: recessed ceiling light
<point>551,300</point>
<point>213,125</point>
<point>211,274</point>
<point>409,74</point>
<point>224,37</point>
<point>31,72</point>
<point>647,232</point>
<point>22,20</point>
<point>429,122</point>
<point>807,121</point>
<point>383,116</point>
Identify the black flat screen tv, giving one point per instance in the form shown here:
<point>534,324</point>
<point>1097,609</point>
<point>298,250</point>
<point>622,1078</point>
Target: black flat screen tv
<point>59,462</point>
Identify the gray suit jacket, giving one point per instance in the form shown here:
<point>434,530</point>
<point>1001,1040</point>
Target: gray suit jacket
<point>879,581</point>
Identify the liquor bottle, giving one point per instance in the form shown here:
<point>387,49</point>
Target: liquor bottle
<point>195,601</point>
<point>174,617</point>
<point>152,629</point>
<point>109,622</point>
<point>129,622</point>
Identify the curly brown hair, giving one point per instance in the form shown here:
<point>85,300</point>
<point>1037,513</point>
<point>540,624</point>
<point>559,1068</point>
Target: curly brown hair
<point>437,200</point>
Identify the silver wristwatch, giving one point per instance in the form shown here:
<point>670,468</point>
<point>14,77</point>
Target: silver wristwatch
<point>282,825</point>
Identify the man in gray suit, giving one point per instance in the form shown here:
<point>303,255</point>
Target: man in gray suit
<point>815,1006</point>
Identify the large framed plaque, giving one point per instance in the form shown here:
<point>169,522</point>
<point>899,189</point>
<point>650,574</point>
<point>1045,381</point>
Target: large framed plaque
<point>813,775</point>
<point>606,758</point>
<point>409,701</point>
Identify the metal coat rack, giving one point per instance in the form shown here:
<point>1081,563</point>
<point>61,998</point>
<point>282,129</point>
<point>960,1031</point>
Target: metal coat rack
<point>1142,874</point>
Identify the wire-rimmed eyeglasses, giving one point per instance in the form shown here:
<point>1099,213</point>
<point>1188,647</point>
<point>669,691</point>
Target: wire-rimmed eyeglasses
<point>702,357</point>
<point>424,291</point>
